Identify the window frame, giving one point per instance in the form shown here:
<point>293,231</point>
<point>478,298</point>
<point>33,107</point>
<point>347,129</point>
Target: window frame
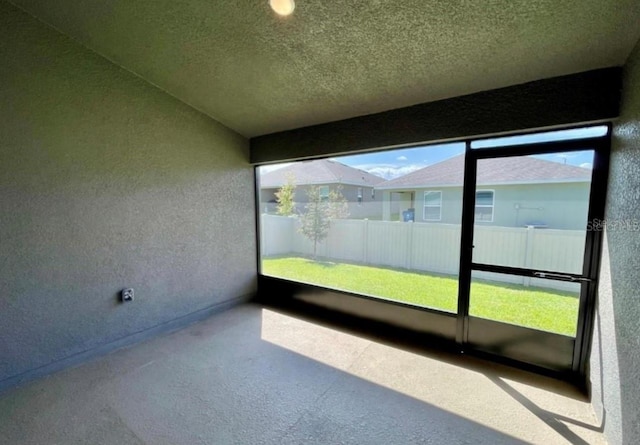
<point>492,206</point>
<point>324,197</point>
<point>273,286</point>
<point>424,206</point>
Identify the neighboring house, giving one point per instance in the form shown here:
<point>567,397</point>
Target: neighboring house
<point>356,185</point>
<point>511,192</point>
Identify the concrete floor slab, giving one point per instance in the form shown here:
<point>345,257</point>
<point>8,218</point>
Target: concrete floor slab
<point>253,375</point>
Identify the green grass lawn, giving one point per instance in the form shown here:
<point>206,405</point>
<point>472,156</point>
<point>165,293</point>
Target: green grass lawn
<point>543,309</point>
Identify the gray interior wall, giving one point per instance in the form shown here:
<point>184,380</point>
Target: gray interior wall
<point>615,356</point>
<point>107,182</point>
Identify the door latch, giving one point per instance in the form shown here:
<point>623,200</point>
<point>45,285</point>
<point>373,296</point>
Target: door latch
<point>561,277</point>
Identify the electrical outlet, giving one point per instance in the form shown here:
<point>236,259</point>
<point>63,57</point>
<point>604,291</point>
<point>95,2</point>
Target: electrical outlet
<point>127,295</point>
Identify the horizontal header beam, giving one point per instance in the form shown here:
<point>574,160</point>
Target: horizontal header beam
<point>591,96</point>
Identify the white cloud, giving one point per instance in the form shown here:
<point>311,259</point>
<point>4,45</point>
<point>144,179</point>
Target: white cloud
<point>269,168</point>
<point>588,165</point>
<point>389,171</point>
<point>401,158</point>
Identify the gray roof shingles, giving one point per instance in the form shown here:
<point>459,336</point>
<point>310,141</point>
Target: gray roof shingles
<point>320,171</point>
<point>493,171</point>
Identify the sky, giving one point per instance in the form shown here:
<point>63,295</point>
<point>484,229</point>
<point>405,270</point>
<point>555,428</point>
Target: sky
<point>391,164</point>
<point>399,162</point>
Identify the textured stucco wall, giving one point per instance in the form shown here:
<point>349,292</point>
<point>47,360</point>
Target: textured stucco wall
<point>615,357</point>
<point>107,182</point>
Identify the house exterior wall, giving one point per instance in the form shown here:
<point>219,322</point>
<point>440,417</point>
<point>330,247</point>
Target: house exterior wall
<point>369,207</point>
<point>558,206</point>
<point>107,182</point>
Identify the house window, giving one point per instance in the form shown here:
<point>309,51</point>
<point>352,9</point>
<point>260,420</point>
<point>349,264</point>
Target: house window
<point>373,195</point>
<point>359,195</point>
<point>324,193</point>
<point>432,206</point>
<point>484,206</point>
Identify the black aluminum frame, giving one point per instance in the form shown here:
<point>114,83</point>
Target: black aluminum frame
<point>593,241</point>
<point>282,292</point>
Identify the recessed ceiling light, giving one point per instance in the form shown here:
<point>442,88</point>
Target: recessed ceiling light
<point>282,7</point>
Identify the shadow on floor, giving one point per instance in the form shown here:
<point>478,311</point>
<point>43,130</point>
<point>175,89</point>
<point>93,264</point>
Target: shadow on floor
<point>554,420</point>
<point>225,381</point>
<point>431,347</point>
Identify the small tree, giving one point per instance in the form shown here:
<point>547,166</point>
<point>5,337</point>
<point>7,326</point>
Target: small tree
<point>338,205</point>
<point>285,195</point>
<point>315,222</point>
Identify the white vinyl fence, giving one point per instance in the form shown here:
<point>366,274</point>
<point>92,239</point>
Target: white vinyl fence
<point>433,247</point>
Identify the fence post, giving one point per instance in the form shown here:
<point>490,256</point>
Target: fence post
<point>365,242</point>
<point>409,244</point>
<point>263,239</point>
<point>528,254</point>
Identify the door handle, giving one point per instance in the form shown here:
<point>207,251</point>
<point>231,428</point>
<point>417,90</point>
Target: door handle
<point>561,277</point>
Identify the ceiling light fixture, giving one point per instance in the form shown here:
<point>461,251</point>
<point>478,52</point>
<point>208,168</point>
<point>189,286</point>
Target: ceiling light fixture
<point>282,7</point>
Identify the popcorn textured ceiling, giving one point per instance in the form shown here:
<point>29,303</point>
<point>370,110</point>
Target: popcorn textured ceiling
<point>259,73</point>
